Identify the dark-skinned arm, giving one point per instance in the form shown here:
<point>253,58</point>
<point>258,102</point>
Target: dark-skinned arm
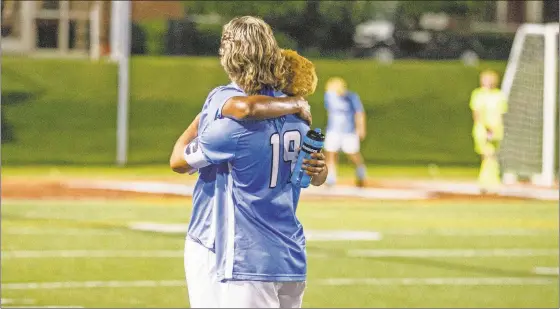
<point>260,107</point>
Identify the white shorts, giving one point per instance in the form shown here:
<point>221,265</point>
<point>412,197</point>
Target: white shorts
<point>257,294</point>
<point>200,270</point>
<point>347,142</point>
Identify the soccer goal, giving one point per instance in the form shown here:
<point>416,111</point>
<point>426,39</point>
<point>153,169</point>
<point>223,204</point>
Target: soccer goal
<point>531,125</point>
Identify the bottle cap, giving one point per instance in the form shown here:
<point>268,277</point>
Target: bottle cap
<point>316,135</point>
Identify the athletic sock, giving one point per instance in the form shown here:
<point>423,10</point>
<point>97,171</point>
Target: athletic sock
<point>489,177</point>
<point>331,177</point>
<point>361,172</point>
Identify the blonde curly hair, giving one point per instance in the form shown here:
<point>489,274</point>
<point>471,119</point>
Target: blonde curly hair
<point>250,55</point>
<point>301,78</point>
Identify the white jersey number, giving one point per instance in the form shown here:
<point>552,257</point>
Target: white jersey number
<point>292,140</point>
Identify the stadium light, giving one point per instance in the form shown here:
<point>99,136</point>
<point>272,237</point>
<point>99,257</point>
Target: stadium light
<point>120,52</point>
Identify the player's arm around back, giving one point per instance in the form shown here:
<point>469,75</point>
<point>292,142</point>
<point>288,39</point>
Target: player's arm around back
<point>260,107</point>
<point>177,161</point>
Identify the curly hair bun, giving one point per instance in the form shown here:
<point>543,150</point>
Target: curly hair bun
<point>301,76</point>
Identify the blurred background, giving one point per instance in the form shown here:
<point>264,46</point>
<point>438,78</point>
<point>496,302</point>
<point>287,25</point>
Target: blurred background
<point>351,39</point>
<point>85,227</point>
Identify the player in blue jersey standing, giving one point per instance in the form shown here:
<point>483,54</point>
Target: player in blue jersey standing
<point>346,128</point>
<point>228,101</point>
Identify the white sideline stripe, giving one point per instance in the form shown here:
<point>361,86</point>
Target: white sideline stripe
<point>466,232</point>
<point>91,284</point>
<point>419,191</point>
<point>181,228</point>
<point>451,252</point>
<point>61,231</point>
<point>341,235</point>
<point>472,188</point>
<point>331,281</point>
<point>23,301</point>
<point>546,270</point>
<point>37,254</point>
<point>186,190</point>
<point>46,254</point>
<point>439,281</point>
<point>91,254</point>
<point>178,228</point>
<point>52,306</point>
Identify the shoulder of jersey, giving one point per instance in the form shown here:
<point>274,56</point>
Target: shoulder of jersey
<point>296,120</point>
<point>225,87</point>
<point>278,93</point>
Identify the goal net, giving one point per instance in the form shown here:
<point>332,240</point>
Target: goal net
<point>531,125</point>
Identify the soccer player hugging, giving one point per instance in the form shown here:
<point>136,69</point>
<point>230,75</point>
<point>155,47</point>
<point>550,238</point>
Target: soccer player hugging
<point>245,246</point>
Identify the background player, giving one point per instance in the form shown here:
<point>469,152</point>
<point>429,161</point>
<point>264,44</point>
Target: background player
<point>346,127</point>
<point>488,105</point>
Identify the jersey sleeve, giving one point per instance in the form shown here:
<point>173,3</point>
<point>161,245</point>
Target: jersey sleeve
<point>218,143</point>
<point>220,98</point>
<point>356,103</point>
<point>326,101</point>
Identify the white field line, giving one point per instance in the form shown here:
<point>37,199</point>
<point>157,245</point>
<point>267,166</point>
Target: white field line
<point>499,281</point>
<point>546,270</point>
<point>23,301</point>
<point>469,233</point>
<point>313,235</point>
<point>58,231</point>
<point>181,228</point>
<point>451,252</point>
<point>47,254</point>
<point>38,254</point>
<point>52,306</point>
<point>91,284</point>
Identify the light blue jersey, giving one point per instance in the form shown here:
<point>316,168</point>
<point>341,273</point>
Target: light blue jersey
<point>259,237</point>
<point>341,111</point>
<point>212,179</point>
<point>201,226</point>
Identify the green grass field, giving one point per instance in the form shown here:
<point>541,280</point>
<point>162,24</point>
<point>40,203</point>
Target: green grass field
<point>109,265</point>
<point>81,251</point>
<point>64,111</point>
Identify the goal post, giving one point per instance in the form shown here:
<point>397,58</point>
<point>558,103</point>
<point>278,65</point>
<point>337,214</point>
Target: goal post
<point>531,86</point>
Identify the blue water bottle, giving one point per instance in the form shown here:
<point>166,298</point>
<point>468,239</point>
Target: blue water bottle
<point>312,142</point>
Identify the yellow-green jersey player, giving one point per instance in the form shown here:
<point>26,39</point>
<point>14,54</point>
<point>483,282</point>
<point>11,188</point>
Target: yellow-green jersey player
<point>488,105</point>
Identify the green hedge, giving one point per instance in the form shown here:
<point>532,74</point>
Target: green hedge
<point>66,109</point>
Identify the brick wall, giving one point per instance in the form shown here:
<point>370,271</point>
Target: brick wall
<point>142,10</point>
